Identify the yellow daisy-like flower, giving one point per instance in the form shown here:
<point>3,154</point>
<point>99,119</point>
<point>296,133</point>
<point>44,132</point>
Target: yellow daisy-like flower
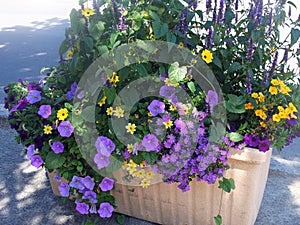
<point>130,148</point>
<point>276,118</point>
<point>131,169</point>
<point>273,90</point>
<point>62,114</point>
<point>207,56</point>
<point>168,124</point>
<point>261,97</point>
<point>143,164</point>
<point>254,95</point>
<point>140,173</point>
<point>119,112</point>
<point>87,12</point>
<point>249,106</point>
<point>69,54</point>
<point>131,128</point>
<point>102,101</point>
<point>180,45</point>
<point>169,83</point>
<point>109,111</point>
<point>275,82</point>
<point>149,175</point>
<point>172,107</point>
<point>145,183</point>
<point>47,129</point>
<point>263,124</point>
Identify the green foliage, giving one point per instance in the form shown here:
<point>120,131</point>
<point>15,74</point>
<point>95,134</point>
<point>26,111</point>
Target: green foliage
<point>227,184</point>
<point>218,220</point>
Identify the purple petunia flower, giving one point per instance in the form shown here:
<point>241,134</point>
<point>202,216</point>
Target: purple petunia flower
<point>57,147</point>
<point>251,140</point>
<point>64,189</point>
<point>45,111</point>
<point>91,196</point>
<point>88,182</point>
<point>156,107</point>
<point>167,91</point>
<point>105,146</point>
<point>30,151</point>
<point>150,142</point>
<point>57,177</point>
<point>77,183</point>
<point>36,161</point>
<point>34,96</point>
<point>211,99</point>
<point>65,129</point>
<point>82,208</point>
<point>292,121</point>
<point>263,145</point>
<point>22,104</point>
<point>70,94</point>
<point>101,160</point>
<point>106,184</point>
<point>105,210</point>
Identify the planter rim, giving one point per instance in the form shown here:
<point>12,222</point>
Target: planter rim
<point>251,155</point>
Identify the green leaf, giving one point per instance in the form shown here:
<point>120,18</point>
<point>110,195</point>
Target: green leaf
<point>191,86</point>
<point>102,49</point>
<point>150,157</point>
<point>235,137</point>
<point>154,16</point>
<point>295,34</point>
<point>218,220</point>
<point>121,219</point>
<point>54,161</point>
<point>171,38</point>
<point>176,73</point>
<point>227,184</point>
<point>88,42</point>
<point>159,29</point>
<point>235,66</point>
<point>113,38</point>
<point>88,114</point>
<point>217,62</point>
<point>110,94</point>
<point>65,45</point>
<point>216,132</point>
<point>229,15</point>
<point>235,104</point>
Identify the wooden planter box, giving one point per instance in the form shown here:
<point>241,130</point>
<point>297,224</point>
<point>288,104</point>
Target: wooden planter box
<point>166,204</point>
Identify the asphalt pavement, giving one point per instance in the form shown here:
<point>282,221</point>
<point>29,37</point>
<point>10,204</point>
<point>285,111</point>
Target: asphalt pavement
<point>30,34</point>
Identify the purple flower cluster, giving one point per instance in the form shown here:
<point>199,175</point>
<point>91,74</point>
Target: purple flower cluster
<point>183,24</point>
<point>249,55</point>
<point>105,147</point>
<point>70,94</point>
<point>209,40</point>
<point>248,83</point>
<point>262,143</point>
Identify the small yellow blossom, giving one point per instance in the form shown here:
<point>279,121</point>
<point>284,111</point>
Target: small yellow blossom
<point>131,168</point>
<point>150,114</point>
<point>249,106</point>
<point>260,113</point>
<point>143,164</point>
<point>263,124</point>
<point>275,82</point>
<point>145,183</point>
<point>180,45</point>
<point>149,175</point>
<point>87,12</point>
<point>283,115</point>
<point>168,124</point>
<point>47,129</point>
<point>261,97</point>
<point>276,118</point>
<point>131,128</point>
<point>254,95</point>
<point>119,112</point>
<point>280,108</point>
<point>70,53</point>
<point>172,107</point>
<point>62,114</point>
<point>140,173</point>
<point>292,107</point>
<point>102,101</point>
<point>109,111</point>
<point>207,56</point>
<point>284,89</point>
<point>114,79</point>
<point>273,90</point>
<point>130,148</point>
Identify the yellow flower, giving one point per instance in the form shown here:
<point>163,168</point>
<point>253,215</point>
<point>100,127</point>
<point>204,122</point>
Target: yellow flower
<point>207,56</point>
<point>284,89</point>
<point>273,90</point>
<point>69,54</point>
<point>145,183</point>
<point>283,115</point>
<point>249,106</point>
<point>263,124</point>
<point>131,128</point>
<point>292,107</point>
<point>172,107</point>
<point>261,97</point>
<point>131,168</point>
<point>180,45</point>
<point>254,95</point>
<point>140,173</point>
<point>47,129</point>
<point>62,114</point>
<point>114,79</point>
<point>102,101</point>
<point>130,148</point>
<point>149,175</point>
<point>143,164</point>
<point>280,108</point>
<point>168,124</point>
<point>276,118</point>
<point>260,113</point>
<point>87,12</point>
<point>169,83</point>
<point>119,112</point>
<point>275,82</point>
<point>150,114</point>
<point>109,111</point>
